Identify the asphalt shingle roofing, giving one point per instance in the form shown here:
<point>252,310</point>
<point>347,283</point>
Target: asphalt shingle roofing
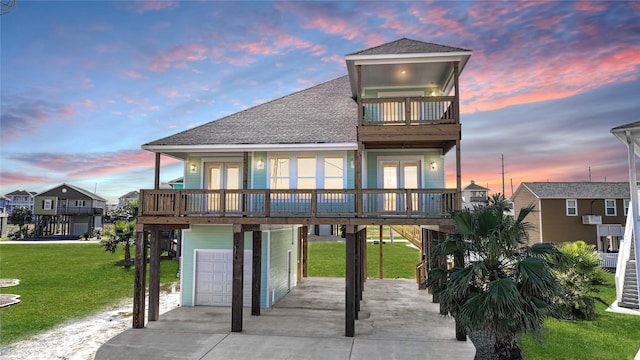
<point>324,113</point>
<point>407,46</point>
<point>579,190</point>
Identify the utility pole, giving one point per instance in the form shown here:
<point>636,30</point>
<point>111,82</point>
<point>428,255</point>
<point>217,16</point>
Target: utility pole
<point>589,173</point>
<point>502,158</point>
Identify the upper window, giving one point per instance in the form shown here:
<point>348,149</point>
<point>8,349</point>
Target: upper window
<point>80,203</point>
<point>333,173</point>
<point>279,173</point>
<point>306,173</point>
<point>47,204</point>
<point>572,207</point>
<point>610,207</point>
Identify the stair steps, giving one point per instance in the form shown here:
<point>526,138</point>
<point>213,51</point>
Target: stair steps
<point>630,284</point>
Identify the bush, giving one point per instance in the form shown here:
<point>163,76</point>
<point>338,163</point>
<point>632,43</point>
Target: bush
<point>578,271</point>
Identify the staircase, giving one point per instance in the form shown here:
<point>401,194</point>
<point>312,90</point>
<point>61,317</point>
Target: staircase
<point>630,286</point>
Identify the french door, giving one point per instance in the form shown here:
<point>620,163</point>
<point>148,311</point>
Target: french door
<point>224,176</point>
<point>400,174</point>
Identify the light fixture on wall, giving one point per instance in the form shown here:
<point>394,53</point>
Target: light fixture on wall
<point>259,164</point>
<point>194,168</point>
<point>433,166</point>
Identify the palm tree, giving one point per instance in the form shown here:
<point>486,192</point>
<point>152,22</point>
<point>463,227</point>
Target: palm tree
<point>505,287</point>
<point>123,233</point>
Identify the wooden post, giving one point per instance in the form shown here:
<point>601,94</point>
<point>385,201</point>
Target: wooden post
<point>350,282</point>
<point>154,277</point>
<point>156,180</point>
<point>358,277</point>
<point>256,272</point>
<point>238,277</point>
<point>381,251</point>
<point>139,284</point>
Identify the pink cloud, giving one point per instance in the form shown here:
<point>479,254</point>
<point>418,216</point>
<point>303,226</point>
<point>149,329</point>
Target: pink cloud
<point>591,6</point>
<point>257,48</point>
<point>9,178</point>
<point>134,74</point>
<point>546,78</point>
<point>178,55</point>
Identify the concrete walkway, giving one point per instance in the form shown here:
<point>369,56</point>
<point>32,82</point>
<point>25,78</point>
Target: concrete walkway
<point>396,321</point>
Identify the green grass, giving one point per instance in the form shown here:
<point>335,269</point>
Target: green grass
<point>610,336</point>
<point>59,282</point>
<point>327,259</point>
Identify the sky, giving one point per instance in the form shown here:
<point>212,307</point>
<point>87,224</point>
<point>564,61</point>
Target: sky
<point>85,83</point>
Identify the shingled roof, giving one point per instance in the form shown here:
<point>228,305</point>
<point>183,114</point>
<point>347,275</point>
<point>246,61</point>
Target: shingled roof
<point>579,190</point>
<point>325,113</point>
<point>407,46</point>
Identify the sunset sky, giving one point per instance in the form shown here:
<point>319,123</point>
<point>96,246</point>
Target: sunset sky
<point>85,83</point>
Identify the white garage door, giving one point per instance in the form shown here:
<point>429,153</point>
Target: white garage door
<point>214,277</point>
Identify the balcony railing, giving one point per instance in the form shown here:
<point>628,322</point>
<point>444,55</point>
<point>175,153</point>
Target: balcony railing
<point>409,111</point>
<point>376,203</point>
<point>79,210</point>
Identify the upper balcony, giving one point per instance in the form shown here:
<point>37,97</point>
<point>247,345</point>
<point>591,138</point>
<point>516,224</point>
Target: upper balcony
<point>424,122</point>
<point>379,206</point>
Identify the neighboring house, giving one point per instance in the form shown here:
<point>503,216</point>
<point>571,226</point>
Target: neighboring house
<point>131,196</point>
<point>474,195</point>
<point>628,265</point>
<point>177,184</point>
<point>4,215</point>
<point>68,210</point>
<point>366,148</point>
<point>20,198</point>
<point>594,212</point>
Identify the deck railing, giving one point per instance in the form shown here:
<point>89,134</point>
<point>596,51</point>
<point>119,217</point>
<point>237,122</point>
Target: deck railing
<point>409,111</point>
<point>409,203</point>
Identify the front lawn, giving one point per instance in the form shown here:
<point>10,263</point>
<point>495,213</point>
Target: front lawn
<point>611,336</point>
<point>59,282</point>
<point>327,259</point>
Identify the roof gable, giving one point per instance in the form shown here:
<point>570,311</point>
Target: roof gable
<point>60,189</point>
<point>578,190</point>
<point>407,46</point>
<point>322,114</point>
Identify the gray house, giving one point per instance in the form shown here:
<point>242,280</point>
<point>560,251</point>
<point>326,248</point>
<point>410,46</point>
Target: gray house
<point>68,210</point>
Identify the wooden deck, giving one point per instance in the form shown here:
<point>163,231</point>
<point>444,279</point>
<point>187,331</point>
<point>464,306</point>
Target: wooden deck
<point>379,207</point>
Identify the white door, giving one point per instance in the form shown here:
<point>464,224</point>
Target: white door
<point>399,175</point>
<point>224,176</point>
<point>214,277</point>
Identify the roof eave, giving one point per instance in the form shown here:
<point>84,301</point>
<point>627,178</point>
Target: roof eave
<point>175,150</point>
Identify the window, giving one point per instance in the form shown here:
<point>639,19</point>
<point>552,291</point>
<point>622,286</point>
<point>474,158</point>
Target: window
<point>279,167</point>
<point>306,173</point>
<point>333,173</point>
<point>626,206</point>
<point>610,207</point>
<point>80,203</point>
<point>47,204</point>
<point>572,207</point>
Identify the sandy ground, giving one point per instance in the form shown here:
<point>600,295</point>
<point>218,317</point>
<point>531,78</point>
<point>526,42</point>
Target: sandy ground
<point>80,339</point>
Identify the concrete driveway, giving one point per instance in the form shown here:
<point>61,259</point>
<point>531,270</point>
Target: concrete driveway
<point>396,321</point>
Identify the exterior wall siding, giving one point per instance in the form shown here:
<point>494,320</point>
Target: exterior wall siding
<point>430,179</point>
<point>276,244</point>
<point>206,237</point>
<point>557,227</point>
<point>522,199</point>
<point>281,242</point>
